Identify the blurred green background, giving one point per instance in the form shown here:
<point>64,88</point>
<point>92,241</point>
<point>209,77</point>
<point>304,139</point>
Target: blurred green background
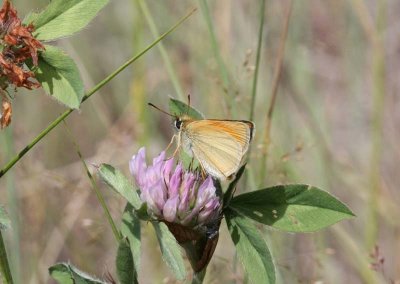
<point>336,125</point>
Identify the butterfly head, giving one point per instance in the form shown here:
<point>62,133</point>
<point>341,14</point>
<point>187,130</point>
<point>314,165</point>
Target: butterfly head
<point>178,123</point>
<point>180,120</point>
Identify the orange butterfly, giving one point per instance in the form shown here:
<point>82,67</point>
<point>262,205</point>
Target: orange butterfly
<point>218,145</point>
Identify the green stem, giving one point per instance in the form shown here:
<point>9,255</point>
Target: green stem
<point>57,121</point>
<point>274,91</point>
<point>379,90</point>
<point>255,79</point>
<point>198,277</point>
<point>214,45</point>
<point>356,256</point>
<point>5,272</point>
<point>375,35</point>
<point>234,267</point>
<point>13,209</point>
<point>170,69</point>
<point>258,57</point>
<point>96,189</point>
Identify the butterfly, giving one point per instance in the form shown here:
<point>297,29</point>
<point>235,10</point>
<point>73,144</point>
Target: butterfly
<point>218,144</point>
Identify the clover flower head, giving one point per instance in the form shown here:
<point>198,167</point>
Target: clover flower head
<point>173,194</point>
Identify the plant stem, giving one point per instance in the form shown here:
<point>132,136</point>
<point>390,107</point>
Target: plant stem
<point>255,78</point>
<point>13,210</point>
<point>274,92</point>
<point>234,267</point>
<point>375,36</point>
<point>138,84</point>
<point>5,272</point>
<point>379,91</point>
<point>214,45</point>
<point>198,277</point>
<point>258,57</point>
<point>96,189</point>
<point>170,69</point>
<point>356,256</point>
<point>57,121</point>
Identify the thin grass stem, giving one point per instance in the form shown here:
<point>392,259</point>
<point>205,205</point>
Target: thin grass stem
<point>258,58</point>
<point>13,210</point>
<point>170,69</point>
<point>379,91</point>
<point>358,257</point>
<point>96,189</point>
<point>230,102</point>
<point>375,36</point>
<point>255,78</point>
<point>64,115</point>
<point>274,92</point>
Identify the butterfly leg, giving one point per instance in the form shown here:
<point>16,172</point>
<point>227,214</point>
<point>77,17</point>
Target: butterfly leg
<point>176,151</point>
<point>203,171</point>
<point>178,146</point>
<point>170,143</point>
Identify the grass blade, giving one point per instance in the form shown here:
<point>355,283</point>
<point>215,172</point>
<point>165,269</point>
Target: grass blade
<point>95,188</point>
<point>258,57</point>
<point>274,92</point>
<point>168,65</point>
<point>214,45</point>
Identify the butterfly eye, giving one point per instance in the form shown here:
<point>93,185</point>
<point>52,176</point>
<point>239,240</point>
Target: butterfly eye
<point>178,124</point>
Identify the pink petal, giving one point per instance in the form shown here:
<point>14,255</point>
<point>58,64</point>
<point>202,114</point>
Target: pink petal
<point>137,166</point>
<point>170,207</point>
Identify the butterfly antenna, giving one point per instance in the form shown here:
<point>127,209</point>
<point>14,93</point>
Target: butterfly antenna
<point>188,105</point>
<point>163,111</point>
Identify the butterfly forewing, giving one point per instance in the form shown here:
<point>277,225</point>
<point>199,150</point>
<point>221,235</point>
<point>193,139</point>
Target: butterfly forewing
<point>219,145</point>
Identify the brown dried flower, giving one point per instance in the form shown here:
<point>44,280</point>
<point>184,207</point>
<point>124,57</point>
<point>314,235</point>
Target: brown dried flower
<point>5,114</point>
<point>16,74</point>
<point>18,46</point>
